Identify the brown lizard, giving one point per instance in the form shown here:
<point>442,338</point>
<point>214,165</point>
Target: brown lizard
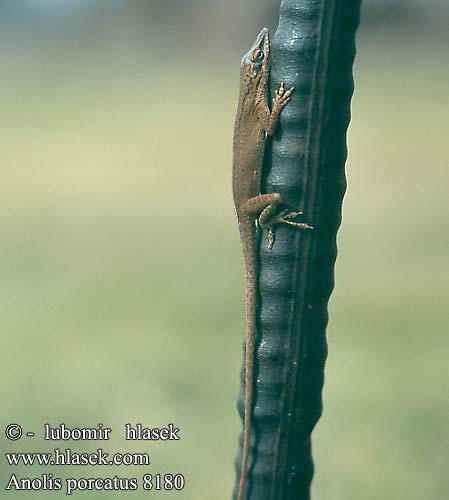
<point>254,123</point>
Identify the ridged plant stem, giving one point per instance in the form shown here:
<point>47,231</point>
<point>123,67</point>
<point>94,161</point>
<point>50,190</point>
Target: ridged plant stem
<point>313,50</point>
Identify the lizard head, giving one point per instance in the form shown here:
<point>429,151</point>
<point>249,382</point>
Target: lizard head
<point>255,61</point>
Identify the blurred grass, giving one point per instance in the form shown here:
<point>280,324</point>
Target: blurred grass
<point>122,284</point>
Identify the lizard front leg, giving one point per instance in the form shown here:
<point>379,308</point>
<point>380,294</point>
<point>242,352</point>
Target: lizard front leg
<point>270,119</point>
<point>266,205</point>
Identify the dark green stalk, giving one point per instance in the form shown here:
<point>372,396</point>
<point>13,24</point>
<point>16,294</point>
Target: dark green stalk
<point>313,49</point>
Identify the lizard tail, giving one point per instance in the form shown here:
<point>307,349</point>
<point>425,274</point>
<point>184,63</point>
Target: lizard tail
<point>251,296</point>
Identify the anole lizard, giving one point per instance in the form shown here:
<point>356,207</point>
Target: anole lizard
<point>254,123</point>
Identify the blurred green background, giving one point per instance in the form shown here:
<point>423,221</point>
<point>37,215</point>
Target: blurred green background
<point>122,291</point>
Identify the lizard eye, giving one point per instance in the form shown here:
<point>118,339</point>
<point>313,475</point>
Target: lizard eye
<point>257,55</point>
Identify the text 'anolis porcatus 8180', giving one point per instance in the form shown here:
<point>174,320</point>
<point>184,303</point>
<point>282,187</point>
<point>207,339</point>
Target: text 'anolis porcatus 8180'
<point>254,123</point>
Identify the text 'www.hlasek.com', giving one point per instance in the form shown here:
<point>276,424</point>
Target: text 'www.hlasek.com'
<point>65,457</point>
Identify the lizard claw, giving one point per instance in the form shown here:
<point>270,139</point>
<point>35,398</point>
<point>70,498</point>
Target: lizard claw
<point>283,218</point>
<point>291,215</point>
<point>270,238</point>
<point>282,96</point>
<point>280,91</point>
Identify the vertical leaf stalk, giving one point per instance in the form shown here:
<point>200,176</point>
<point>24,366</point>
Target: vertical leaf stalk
<point>313,50</point>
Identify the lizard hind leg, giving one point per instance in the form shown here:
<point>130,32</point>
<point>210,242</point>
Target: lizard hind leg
<point>267,206</point>
<point>268,219</point>
<point>262,204</point>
